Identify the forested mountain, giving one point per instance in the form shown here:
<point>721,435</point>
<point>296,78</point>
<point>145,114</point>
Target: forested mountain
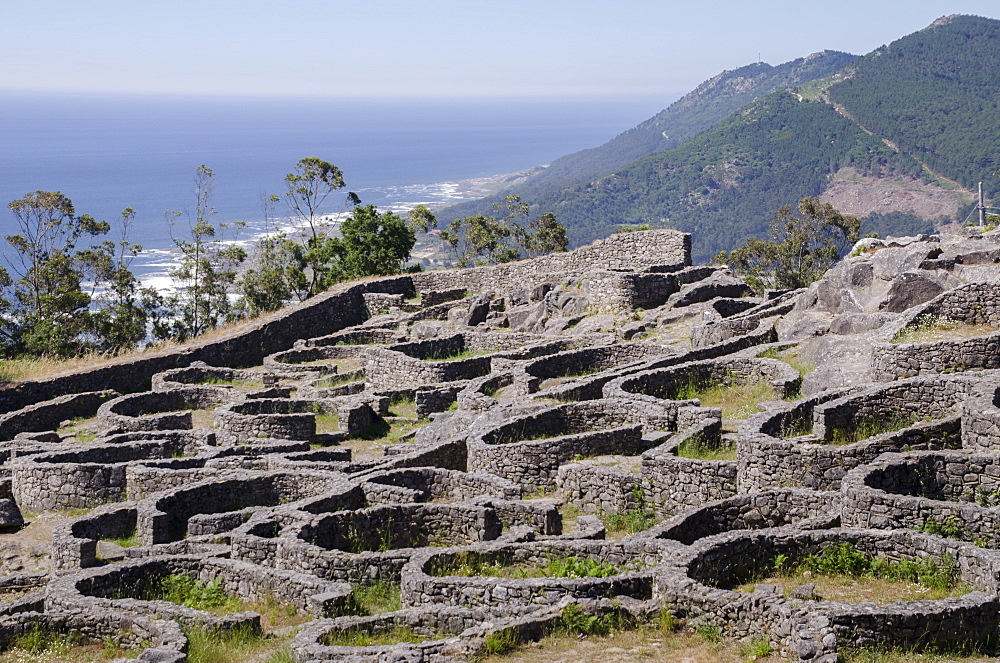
<point>699,110</point>
<point>726,184</point>
<point>927,100</point>
<point>936,95</point>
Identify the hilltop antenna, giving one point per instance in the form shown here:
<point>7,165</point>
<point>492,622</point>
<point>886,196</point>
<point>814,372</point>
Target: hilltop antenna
<point>982,207</point>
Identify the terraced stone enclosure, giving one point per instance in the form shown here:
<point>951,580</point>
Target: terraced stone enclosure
<point>446,465</point>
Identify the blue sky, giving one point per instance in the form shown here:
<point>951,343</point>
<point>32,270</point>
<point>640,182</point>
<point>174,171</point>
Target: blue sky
<point>428,48</point>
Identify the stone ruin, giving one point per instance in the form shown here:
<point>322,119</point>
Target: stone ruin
<point>402,429</point>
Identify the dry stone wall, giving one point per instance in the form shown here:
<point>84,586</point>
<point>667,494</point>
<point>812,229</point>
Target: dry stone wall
<point>504,441</point>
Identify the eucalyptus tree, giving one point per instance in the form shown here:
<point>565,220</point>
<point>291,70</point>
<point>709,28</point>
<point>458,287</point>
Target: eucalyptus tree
<point>803,244</point>
<point>48,314</point>
<point>206,270</point>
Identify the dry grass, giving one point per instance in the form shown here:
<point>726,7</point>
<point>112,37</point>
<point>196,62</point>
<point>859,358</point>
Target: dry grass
<point>37,368</point>
<point>644,645</point>
<point>22,370</point>
<point>403,407</point>
<point>847,589</point>
<point>902,656</point>
<point>941,329</point>
<point>738,401</point>
<point>203,418</point>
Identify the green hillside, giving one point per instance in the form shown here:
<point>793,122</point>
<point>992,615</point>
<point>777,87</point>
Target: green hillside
<point>699,110</point>
<point>934,94</point>
<point>726,184</point>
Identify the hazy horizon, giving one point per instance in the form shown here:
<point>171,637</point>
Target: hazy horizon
<point>439,49</point>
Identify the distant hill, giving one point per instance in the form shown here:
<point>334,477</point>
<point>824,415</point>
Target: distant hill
<point>924,109</point>
<point>699,110</point>
<point>935,94</point>
<point>726,184</point>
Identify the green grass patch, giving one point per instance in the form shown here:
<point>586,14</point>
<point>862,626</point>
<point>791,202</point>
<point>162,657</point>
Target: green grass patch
<point>935,328</point>
<point>188,591</point>
<point>39,645</point>
<point>931,654</point>
<point>885,581</point>
<point>790,357</point>
<point>632,521</point>
<point>455,356</point>
<point>402,407</point>
<point>281,655</point>
<point>737,401</point>
<point>236,645</point>
<point>356,637</point>
<point>757,648</point>
<point>327,423</point>
<point>128,541</point>
<point>697,450</point>
<point>73,429</point>
<point>867,427</point>
<point>334,380</point>
<point>243,385</point>
<point>383,432</point>
<point>376,598</point>
<point>467,566</point>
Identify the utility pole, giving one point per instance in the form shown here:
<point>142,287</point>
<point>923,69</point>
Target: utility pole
<point>982,207</point>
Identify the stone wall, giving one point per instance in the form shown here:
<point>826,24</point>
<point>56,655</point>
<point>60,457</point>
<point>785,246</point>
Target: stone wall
<point>48,415</point>
<point>637,251</point>
<point>972,303</point>
<point>949,492</point>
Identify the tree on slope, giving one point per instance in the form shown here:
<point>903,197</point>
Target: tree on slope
<point>123,306</point>
<point>480,239</point>
<point>206,271</point>
<point>804,244</point>
<point>49,311</point>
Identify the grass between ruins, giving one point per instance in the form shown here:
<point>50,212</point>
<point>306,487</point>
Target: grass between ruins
<point>697,450</point>
<point>865,428</point>
<point>369,444</point>
<point>790,357</point>
<point>843,573</point>
<point>738,401</point>
<point>666,638</point>
<point>236,645</point>
<point>586,638</point>
<point>239,385</point>
<point>335,380</point>
<point>327,423</point>
<point>80,428</point>
<point>357,637</point>
<point>463,354</point>
<point>188,591</point>
<point>128,541</point>
<point>376,598</point>
<point>635,520</point>
<point>467,566</point>
<point>400,406</point>
<point>930,329</point>
<point>42,646</point>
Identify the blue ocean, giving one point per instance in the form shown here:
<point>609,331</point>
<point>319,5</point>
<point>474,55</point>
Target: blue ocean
<point>106,153</point>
